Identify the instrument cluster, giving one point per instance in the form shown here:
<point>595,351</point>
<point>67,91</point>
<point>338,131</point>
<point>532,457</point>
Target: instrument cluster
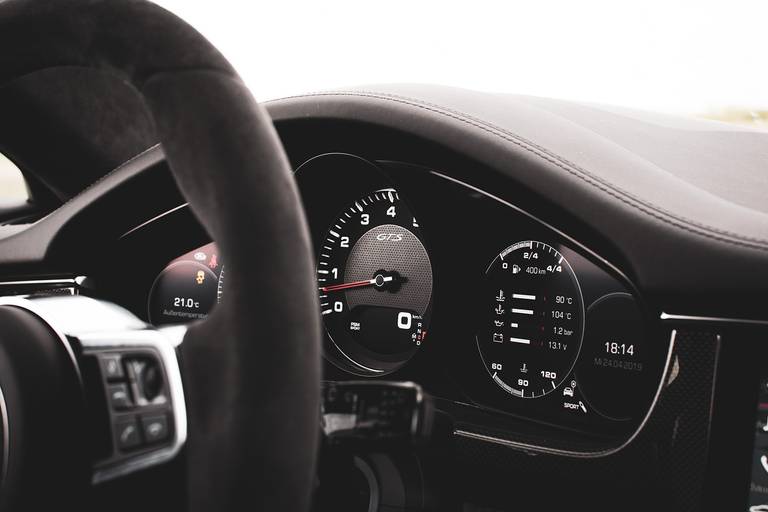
<point>495,312</point>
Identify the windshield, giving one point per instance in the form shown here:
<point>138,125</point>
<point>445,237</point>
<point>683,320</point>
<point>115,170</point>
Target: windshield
<point>687,57</point>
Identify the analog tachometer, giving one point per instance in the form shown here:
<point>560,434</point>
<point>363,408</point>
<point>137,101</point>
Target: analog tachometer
<point>375,283</point>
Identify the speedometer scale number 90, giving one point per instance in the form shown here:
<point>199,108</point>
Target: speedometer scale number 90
<point>533,322</point>
<point>375,283</point>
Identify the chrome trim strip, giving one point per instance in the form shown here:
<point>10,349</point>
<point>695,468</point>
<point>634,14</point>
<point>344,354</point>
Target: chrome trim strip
<point>575,454</point>
<point>75,281</point>
<point>713,388</point>
<point>6,439</point>
<point>153,219</point>
<point>666,317</point>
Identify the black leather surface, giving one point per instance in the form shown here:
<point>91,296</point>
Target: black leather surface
<point>684,201</point>
<point>252,368</point>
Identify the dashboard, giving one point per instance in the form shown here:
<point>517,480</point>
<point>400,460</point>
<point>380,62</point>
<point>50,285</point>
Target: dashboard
<point>580,290</point>
<point>510,324</point>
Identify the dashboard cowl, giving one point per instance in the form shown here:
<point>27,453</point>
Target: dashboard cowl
<point>655,186</point>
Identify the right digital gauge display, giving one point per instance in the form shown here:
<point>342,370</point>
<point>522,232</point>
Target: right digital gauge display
<point>541,336</point>
<point>532,334</point>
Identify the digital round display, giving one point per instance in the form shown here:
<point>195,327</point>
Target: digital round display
<point>614,372</point>
<point>375,284</point>
<point>533,320</point>
<point>188,288</point>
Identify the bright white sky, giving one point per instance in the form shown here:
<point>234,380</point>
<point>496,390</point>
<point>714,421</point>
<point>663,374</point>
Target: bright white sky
<point>674,56</point>
<point>688,57</point>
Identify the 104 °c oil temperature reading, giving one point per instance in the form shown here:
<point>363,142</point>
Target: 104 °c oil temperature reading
<point>533,324</point>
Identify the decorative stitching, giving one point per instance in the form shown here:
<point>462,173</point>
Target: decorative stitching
<point>622,195</point>
<point>138,87</point>
<point>110,173</point>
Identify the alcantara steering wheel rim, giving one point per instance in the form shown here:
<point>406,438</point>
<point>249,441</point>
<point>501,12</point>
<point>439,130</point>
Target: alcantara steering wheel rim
<point>252,368</point>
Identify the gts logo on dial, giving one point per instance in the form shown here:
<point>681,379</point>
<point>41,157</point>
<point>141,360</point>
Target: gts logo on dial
<point>389,237</point>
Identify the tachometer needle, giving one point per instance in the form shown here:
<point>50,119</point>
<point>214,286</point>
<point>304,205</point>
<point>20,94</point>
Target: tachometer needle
<point>376,281</point>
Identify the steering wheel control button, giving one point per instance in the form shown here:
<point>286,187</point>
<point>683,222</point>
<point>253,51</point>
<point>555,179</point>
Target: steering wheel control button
<point>147,380</point>
<point>140,403</point>
<point>151,382</point>
<point>155,428</point>
<point>127,436</point>
<point>119,397</point>
<point>112,367</point>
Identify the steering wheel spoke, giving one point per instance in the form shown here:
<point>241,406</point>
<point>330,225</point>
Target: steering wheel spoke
<point>130,378</point>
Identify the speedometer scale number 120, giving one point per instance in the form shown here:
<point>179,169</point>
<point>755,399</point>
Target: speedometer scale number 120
<point>533,323</point>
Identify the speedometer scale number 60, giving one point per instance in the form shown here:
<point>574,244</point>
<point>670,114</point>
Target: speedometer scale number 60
<point>375,283</point>
<point>533,323</point>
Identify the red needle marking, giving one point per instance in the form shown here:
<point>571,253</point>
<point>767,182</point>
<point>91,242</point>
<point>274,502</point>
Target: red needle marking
<point>346,286</point>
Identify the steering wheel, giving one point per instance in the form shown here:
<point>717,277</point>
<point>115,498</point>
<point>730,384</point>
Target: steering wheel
<point>247,417</point>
